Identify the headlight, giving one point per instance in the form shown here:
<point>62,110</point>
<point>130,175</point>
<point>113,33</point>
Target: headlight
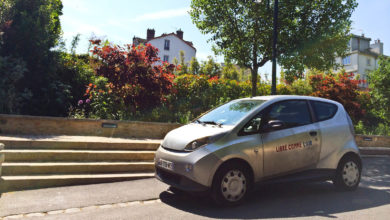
<point>201,142</point>
<point>193,145</point>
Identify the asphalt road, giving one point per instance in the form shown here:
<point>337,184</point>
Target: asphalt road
<point>307,201</point>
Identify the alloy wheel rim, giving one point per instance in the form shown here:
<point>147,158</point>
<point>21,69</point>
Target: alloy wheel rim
<point>233,185</point>
<point>350,173</point>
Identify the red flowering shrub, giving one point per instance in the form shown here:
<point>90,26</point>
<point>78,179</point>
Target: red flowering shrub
<point>134,76</point>
<point>342,88</point>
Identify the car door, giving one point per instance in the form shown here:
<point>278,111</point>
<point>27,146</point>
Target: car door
<point>249,139</point>
<point>294,144</point>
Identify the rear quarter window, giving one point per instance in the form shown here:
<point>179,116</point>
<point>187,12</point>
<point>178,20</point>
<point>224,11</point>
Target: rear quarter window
<point>323,110</point>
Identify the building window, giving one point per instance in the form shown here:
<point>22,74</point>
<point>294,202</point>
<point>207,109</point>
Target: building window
<point>368,62</point>
<point>347,60</point>
<point>166,45</point>
<point>166,58</point>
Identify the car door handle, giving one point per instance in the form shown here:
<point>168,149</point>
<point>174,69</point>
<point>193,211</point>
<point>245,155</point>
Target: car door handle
<point>313,133</point>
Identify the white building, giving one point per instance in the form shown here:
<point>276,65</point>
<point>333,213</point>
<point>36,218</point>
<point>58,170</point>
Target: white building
<point>362,57</point>
<point>169,45</point>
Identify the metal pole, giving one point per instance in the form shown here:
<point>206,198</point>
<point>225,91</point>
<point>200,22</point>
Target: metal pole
<point>275,38</point>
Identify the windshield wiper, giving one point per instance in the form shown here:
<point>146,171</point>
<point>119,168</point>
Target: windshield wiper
<point>199,121</point>
<point>209,122</point>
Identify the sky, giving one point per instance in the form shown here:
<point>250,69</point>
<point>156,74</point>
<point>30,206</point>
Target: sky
<point>120,20</point>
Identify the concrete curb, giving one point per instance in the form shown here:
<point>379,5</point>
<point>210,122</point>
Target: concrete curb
<point>374,150</point>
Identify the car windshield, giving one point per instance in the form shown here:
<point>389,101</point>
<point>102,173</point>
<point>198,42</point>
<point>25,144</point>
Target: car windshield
<point>230,113</point>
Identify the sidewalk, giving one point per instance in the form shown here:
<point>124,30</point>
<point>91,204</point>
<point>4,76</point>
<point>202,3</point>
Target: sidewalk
<point>61,198</point>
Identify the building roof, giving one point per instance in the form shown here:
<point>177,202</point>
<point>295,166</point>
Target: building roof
<point>361,37</point>
<point>138,40</point>
<point>142,40</point>
<point>189,43</point>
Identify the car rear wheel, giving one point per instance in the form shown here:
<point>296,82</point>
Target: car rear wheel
<point>231,184</point>
<point>348,173</point>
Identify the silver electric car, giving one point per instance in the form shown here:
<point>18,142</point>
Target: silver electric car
<point>258,140</point>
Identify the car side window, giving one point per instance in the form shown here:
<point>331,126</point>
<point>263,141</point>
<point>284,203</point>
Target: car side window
<point>291,113</point>
<point>253,126</point>
<point>323,110</point>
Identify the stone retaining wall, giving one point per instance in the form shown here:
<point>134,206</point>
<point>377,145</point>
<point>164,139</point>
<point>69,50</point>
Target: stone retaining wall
<point>372,141</point>
<point>35,125</point>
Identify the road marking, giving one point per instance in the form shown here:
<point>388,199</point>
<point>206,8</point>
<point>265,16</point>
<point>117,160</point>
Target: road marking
<point>80,209</point>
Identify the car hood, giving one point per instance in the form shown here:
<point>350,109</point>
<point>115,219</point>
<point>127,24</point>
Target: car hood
<point>179,138</point>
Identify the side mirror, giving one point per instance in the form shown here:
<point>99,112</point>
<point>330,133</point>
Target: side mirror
<point>273,125</point>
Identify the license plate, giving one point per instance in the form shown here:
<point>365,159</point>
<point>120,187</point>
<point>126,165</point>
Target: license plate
<point>165,164</point>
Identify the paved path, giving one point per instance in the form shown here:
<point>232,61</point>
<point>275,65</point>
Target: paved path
<point>61,198</point>
<point>148,199</point>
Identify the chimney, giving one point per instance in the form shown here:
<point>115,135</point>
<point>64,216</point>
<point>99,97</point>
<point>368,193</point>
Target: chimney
<point>150,34</point>
<point>179,34</point>
<point>377,47</point>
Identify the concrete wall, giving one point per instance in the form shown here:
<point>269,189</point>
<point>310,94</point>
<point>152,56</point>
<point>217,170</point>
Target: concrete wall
<point>34,125</point>
<point>372,141</point>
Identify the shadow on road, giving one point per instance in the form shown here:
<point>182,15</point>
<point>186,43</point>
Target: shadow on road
<point>297,199</point>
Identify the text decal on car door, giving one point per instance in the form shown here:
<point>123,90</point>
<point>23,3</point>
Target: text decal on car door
<point>299,145</point>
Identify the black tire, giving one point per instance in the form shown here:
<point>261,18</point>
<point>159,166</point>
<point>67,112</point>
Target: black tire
<point>345,178</point>
<point>176,191</point>
<point>237,173</point>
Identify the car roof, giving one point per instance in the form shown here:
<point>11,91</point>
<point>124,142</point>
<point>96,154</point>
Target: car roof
<point>275,98</point>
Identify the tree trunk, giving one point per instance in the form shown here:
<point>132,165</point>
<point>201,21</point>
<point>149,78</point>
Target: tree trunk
<point>254,81</point>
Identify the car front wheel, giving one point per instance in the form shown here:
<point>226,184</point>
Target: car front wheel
<point>231,184</point>
<point>348,173</point>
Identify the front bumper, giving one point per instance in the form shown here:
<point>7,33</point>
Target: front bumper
<point>202,165</point>
<point>178,181</point>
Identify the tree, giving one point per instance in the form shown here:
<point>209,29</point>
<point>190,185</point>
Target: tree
<point>310,33</point>
<point>30,30</point>
<point>5,16</point>
<point>379,83</point>
<point>34,28</point>
<point>229,71</point>
<point>183,68</point>
<point>194,66</point>
<point>74,70</point>
<point>210,67</point>
<point>11,72</point>
<point>11,69</point>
